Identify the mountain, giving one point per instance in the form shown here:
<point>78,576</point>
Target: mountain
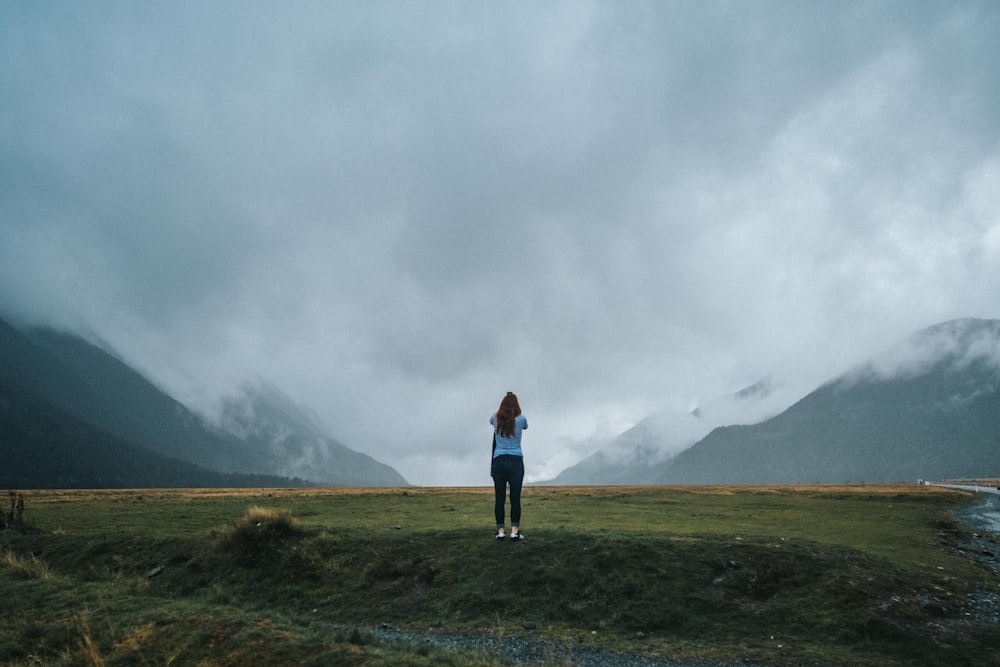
<point>631,458</point>
<point>91,385</point>
<point>97,387</point>
<point>634,456</point>
<point>294,444</point>
<point>928,408</point>
<point>42,446</point>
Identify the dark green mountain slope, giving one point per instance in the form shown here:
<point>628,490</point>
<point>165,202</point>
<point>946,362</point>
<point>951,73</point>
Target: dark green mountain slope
<point>102,390</point>
<point>928,409</point>
<point>95,387</point>
<point>42,446</point>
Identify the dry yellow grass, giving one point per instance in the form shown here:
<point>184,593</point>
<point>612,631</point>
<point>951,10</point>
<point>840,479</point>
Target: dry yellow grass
<point>48,496</point>
<point>28,567</point>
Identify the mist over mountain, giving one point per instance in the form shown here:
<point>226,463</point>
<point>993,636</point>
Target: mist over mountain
<point>297,446</point>
<point>927,408</point>
<point>105,408</point>
<point>634,456</point>
<point>73,413</point>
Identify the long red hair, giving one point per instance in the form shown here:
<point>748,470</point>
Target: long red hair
<point>506,414</point>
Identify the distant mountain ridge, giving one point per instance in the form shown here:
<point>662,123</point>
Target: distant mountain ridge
<point>634,456</point>
<point>49,377</point>
<point>927,408</point>
<point>43,446</point>
<point>628,459</point>
<point>293,442</point>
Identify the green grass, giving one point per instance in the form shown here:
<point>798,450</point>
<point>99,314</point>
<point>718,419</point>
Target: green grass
<point>776,575</point>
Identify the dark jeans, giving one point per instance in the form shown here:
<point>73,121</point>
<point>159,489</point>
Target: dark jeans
<point>508,469</point>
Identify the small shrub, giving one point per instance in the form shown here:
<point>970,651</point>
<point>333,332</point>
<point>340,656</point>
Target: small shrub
<point>260,536</point>
<point>267,519</point>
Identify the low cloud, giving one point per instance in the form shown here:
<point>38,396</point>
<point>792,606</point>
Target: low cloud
<point>957,343</point>
<point>398,214</point>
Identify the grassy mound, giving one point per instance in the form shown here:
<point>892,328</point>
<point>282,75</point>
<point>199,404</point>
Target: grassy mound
<point>260,536</point>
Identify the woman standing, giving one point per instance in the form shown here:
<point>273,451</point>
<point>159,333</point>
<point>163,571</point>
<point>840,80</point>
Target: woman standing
<point>508,463</point>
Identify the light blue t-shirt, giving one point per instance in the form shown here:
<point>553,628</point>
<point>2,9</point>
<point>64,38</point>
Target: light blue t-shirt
<point>511,445</point>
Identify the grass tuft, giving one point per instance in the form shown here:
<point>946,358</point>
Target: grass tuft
<point>29,567</point>
<point>259,520</point>
<point>262,536</point>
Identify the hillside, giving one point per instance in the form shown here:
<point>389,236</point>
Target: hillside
<point>928,408</point>
<point>97,387</point>
<point>77,379</point>
<point>629,459</point>
<point>634,456</point>
<point>44,447</point>
<point>293,443</point>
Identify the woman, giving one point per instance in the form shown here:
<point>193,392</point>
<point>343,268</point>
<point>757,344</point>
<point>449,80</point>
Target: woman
<point>508,463</point>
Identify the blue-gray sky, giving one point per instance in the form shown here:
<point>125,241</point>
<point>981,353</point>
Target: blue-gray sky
<point>397,211</point>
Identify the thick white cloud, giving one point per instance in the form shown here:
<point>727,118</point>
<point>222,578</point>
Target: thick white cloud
<point>399,212</point>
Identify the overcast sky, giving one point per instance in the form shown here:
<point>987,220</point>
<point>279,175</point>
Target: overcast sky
<point>398,211</point>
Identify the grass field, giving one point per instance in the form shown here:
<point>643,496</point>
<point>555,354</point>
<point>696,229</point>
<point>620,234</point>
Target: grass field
<point>854,575</point>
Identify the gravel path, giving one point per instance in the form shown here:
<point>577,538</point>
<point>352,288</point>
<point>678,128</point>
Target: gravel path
<point>527,650</point>
<point>521,649</point>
